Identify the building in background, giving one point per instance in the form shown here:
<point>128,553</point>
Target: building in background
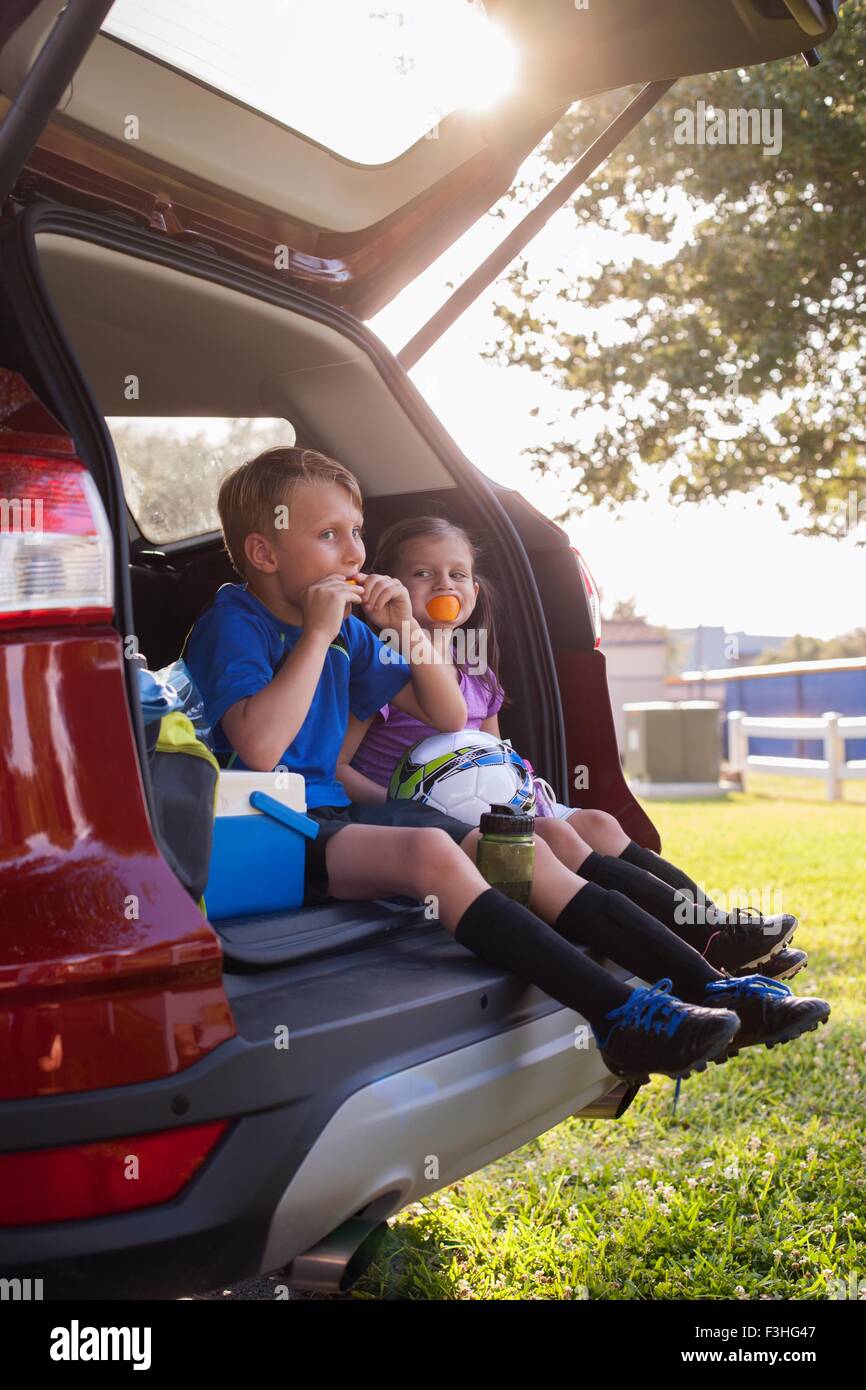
<point>637,666</point>
<point>709,648</point>
<point>653,663</point>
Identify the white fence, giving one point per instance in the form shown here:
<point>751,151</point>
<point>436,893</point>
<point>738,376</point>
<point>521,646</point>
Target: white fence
<point>833,729</point>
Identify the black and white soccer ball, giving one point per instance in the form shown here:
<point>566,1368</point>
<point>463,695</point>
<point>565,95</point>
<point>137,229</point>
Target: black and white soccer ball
<point>463,775</point>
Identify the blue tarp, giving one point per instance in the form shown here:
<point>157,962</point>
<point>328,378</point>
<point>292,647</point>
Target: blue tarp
<point>805,693</point>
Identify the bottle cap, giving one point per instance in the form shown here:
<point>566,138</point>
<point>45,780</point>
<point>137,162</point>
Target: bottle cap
<point>503,820</point>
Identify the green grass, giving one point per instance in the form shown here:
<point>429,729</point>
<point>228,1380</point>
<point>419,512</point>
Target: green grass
<point>769,784</point>
<point>754,1189</point>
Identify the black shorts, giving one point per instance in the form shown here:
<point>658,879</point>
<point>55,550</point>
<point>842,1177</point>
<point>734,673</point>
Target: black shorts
<point>334,818</point>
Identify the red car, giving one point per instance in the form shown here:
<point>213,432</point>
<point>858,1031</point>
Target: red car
<point>218,265</point>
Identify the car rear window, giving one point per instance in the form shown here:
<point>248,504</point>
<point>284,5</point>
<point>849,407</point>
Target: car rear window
<point>172,467</point>
<point>367,81</point>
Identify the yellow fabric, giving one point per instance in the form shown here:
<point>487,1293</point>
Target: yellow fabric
<point>177,735</point>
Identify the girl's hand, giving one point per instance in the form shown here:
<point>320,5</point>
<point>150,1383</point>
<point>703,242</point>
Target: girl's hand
<point>386,600</point>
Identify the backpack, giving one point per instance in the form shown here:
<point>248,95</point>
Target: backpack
<point>184,776</point>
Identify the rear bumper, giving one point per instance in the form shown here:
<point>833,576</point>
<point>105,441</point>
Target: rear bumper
<point>240,1217</point>
<point>409,1134</point>
<point>410,1063</point>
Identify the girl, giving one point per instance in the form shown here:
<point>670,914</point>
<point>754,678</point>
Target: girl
<point>434,558</point>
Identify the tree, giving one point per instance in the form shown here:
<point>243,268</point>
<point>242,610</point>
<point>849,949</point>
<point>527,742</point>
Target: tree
<point>740,353</point>
<point>625,610</point>
<point>815,649</point>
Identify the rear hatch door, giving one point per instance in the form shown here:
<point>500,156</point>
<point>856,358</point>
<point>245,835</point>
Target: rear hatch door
<point>341,147</point>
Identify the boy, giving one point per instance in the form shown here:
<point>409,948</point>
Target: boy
<point>281,660</point>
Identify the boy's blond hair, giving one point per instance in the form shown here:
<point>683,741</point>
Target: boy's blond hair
<point>251,493</point>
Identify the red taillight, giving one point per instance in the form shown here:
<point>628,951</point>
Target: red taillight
<point>85,1180</point>
<point>56,544</point>
<point>591,594</point>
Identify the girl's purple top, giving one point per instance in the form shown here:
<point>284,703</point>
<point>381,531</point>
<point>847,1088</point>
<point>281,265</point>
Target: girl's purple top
<point>388,738</point>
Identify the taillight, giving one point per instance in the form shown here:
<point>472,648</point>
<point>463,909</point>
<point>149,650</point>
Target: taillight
<point>591,595</point>
<point>55,543</point>
<point>85,1180</point>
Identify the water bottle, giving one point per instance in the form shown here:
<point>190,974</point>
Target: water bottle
<point>506,852</point>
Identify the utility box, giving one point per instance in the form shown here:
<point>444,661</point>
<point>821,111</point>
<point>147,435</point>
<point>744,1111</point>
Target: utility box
<point>673,742</point>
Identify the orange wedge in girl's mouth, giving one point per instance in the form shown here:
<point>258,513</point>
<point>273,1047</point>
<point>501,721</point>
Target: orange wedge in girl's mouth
<point>444,608</point>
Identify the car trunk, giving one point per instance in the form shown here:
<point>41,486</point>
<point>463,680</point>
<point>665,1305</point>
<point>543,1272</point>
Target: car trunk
<point>364,992</point>
<point>120,284</point>
<point>367,991</point>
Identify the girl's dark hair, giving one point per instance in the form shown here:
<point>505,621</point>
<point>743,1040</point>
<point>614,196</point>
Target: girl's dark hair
<point>484,618</point>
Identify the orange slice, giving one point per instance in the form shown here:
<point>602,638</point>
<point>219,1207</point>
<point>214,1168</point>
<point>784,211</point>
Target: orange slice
<point>444,608</point>
<point>350,606</point>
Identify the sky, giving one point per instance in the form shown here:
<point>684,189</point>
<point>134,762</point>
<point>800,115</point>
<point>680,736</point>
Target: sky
<point>397,67</point>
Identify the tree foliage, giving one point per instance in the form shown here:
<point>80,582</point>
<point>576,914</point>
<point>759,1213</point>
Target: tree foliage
<point>626,610</point>
<point>800,648</point>
<point>740,357</point>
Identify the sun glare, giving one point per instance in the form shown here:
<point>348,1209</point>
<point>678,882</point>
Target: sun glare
<point>386,77</point>
<point>479,60</point>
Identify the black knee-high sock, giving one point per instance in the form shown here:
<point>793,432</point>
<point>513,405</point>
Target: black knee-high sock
<point>673,907</point>
<point>654,864</point>
<point>709,917</point>
<point>623,932</point>
<point>505,933</point>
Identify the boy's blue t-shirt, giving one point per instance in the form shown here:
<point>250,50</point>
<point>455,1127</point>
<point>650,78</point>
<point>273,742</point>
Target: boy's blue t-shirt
<point>235,649</point>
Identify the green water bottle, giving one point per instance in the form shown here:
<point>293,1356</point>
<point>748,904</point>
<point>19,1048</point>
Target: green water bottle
<point>506,852</point>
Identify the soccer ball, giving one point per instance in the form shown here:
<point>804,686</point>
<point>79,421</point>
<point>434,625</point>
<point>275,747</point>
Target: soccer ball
<point>463,775</point>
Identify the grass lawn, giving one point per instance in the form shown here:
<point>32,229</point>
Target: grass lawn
<point>755,1188</point>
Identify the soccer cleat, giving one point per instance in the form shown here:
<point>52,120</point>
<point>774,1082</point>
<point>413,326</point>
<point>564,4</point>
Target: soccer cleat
<point>769,1012</point>
<point>653,1031</point>
<point>746,939</point>
<point>782,966</point>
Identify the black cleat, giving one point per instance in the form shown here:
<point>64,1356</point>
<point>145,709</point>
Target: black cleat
<point>769,1012</point>
<point>782,966</point>
<point>746,940</point>
<point>656,1032</point>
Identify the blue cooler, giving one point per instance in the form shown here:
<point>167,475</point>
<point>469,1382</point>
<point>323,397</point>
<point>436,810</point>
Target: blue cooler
<point>259,843</point>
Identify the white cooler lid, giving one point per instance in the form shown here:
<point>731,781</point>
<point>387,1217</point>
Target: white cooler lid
<point>233,793</point>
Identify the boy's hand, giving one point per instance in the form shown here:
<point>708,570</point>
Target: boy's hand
<point>386,600</point>
<point>324,604</point>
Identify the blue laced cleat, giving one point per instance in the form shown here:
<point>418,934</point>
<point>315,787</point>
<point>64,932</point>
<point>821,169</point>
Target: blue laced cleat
<point>653,1031</point>
<point>768,1010</point>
